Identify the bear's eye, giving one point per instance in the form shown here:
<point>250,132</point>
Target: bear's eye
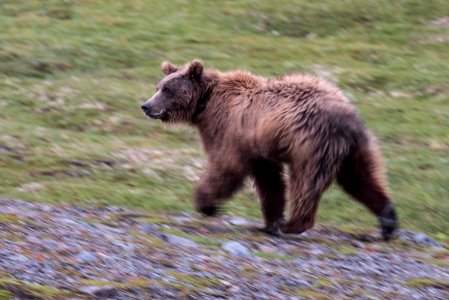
<point>165,90</point>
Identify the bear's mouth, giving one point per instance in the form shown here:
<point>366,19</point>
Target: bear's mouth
<point>158,116</point>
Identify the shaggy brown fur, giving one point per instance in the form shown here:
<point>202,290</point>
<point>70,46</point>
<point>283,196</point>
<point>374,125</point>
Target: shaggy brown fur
<point>253,126</point>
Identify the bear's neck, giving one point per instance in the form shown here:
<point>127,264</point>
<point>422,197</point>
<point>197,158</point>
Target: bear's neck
<point>210,81</point>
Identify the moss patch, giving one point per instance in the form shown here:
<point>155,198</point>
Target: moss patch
<point>438,262</point>
<point>4,294</point>
<point>346,250</point>
<point>195,281</point>
<point>207,241</point>
<point>129,284</point>
<point>13,219</point>
<point>312,294</point>
<point>422,282</point>
<point>149,240</point>
<point>270,255</point>
<point>322,282</point>
<point>90,282</point>
<point>28,290</point>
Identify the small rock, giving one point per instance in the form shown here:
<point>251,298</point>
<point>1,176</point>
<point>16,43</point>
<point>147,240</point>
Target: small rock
<point>423,239</point>
<point>357,244</point>
<point>149,228</point>
<point>296,283</point>
<point>226,283</point>
<point>49,243</point>
<point>68,221</point>
<point>315,251</point>
<point>300,261</point>
<point>303,283</point>
<point>419,238</point>
<point>19,258</point>
<point>46,208</point>
<point>268,249</point>
<point>181,219</point>
<point>236,249</point>
<point>238,221</point>
<point>33,239</point>
<point>179,241</point>
<point>100,291</point>
<point>86,256</point>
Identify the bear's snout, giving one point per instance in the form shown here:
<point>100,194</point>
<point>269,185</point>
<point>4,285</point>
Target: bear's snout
<point>145,107</point>
<point>152,112</point>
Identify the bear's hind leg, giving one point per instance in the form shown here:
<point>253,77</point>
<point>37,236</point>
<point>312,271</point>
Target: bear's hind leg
<point>361,176</point>
<point>270,186</point>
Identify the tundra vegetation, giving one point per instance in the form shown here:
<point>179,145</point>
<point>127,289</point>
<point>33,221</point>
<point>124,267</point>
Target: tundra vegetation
<point>74,73</point>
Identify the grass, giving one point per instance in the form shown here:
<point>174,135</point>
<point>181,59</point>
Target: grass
<point>10,286</point>
<point>270,255</point>
<point>426,282</point>
<point>73,73</point>
<point>195,281</point>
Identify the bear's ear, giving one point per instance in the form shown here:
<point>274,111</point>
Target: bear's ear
<point>195,69</point>
<point>168,68</point>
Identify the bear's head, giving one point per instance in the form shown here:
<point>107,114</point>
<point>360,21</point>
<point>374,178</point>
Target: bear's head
<point>177,94</point>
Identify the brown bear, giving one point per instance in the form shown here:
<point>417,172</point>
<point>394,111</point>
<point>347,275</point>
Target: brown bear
<point>254,126</point>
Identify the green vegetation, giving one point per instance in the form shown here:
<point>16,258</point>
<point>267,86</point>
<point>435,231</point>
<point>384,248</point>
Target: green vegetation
<point>269,255</point>
<point>13,219</point>
<point>194,281</point>
<point>9,218</point>
<point>152,220</point>
<point>346,250</point>
<point>426,282</point>
<point>73,73</point>
<point>10,286</point>
<point>131,284</point>
<point>312,294</point>
<point>5,295</point>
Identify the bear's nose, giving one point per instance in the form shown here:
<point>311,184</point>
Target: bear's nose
<point>145,107</point>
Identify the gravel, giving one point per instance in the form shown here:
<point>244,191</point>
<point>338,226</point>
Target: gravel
<point>52,251</point>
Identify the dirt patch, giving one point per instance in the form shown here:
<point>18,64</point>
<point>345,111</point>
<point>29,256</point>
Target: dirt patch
<point>444,21</point>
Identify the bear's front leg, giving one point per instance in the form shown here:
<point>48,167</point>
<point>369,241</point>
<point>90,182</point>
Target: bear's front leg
<point>215,187</point>
<point>303,213</point>
<point>269,182</point>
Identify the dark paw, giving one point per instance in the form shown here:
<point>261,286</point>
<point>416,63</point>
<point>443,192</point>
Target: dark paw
<point>273,227</point>
<point>271,230</point>
<point>388,222</point>
<point>210,211</point>
<point>295,228</point>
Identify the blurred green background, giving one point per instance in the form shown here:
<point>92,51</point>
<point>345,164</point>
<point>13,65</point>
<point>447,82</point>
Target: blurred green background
<point>73,75</point>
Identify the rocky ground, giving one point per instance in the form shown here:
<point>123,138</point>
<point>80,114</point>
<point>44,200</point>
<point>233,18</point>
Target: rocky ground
<point>67,252</point>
